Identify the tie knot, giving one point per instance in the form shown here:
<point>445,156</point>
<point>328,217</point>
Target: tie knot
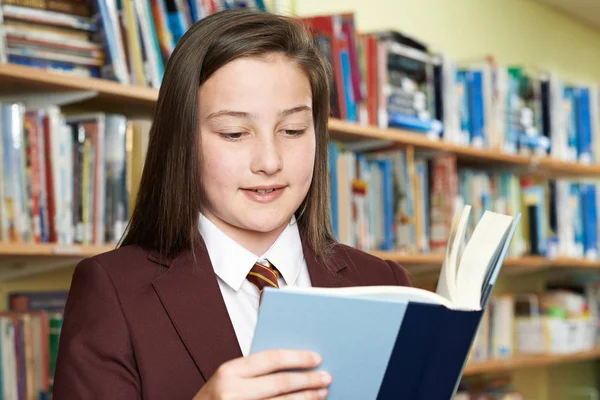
<point>261,276</point>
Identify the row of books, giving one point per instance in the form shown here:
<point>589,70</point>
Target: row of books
<point>128,41</point>
<point>29,339</point>
<point>562,319</point>
<point>55,35</point>
<point>394,200</point>
<point>64,178</point>
<point>389,79</point>
<point>382,78</point>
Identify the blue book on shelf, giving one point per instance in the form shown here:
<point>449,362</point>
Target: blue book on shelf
<point>333,159</point>
<point>399,120</point>
<point>476,107</point>
<point>386,166</point>
<point>572,131</point>
<point>392,342</point>
<point>590,220</point>
<point>584,125</point>
<point>348,94</point>
<point>577,200</point>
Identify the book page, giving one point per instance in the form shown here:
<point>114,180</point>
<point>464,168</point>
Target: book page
<point>447,282</point>
<point>485,242</point>
<point>388,293</point>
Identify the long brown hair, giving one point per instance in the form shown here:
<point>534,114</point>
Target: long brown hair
<point>165,217</point>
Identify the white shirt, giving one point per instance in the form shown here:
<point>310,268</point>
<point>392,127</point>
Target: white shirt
<point>232,262</point>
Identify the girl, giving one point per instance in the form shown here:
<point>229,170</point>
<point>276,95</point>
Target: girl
<point>234,195</point>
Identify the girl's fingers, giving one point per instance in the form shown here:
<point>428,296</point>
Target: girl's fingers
<point>269,361</point>
<point>288,383</point>
<point>305,395</point>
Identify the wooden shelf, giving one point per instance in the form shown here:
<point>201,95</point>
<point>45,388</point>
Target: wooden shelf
<point>432,262</point>
<point>392,137</point>
<point>20,260</point>
<point>105,95</point>
<point>21,257</point>
<point>55,250</point>
<point>528,361</point>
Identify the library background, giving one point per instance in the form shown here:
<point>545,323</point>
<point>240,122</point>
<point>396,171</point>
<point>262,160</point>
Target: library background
<point>437,103</point>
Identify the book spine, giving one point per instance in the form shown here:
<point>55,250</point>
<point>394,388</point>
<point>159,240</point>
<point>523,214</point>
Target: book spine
<point>333,160</point>
<point>3,44</point>
<point>571,118</point>
<point>388,205</point>
<point>475,79</point>
<point>68,7</point>
<point>584,138</point>
<point>351,114</point>
<point>48,17</point>
<point>590,221</point>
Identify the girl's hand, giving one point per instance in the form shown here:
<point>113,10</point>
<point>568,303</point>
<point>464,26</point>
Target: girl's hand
<point>258,376</point>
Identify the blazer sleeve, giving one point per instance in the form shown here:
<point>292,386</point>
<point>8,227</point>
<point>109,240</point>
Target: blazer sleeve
<point>400,274</point>
<point>95,356</point>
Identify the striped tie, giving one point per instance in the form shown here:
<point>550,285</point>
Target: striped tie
<point>261,276</point>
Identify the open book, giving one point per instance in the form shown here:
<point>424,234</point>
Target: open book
<point>468,272</point>
<point>392,342</point>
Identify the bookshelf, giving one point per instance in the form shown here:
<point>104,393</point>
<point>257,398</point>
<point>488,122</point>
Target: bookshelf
<point>134,100</point>
<point>18,262</point>
<point>545,166</point>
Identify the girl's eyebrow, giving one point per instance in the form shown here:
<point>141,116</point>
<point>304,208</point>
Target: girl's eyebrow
<point>242,114</point>
<point>294,110</point>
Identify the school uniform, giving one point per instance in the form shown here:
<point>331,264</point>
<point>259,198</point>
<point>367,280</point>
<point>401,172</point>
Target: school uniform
<point>138,327</point>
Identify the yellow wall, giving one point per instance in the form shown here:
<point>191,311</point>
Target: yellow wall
<point>514,31</point>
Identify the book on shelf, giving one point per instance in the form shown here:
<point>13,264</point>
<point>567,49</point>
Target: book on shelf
<point>401,201</point>
<point>67,178</point>
<point>395,342</point>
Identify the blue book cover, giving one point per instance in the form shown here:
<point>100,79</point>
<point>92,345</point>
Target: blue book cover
<point>176,21</point>
<point>399,120</point>
<point>389,239</point>
<point>463,90</point>
<point>349,96</point>
<point>392,342</point>
<point>590,236</point>
<point>511,141</point>
<point>584,125</point>
<point>572,131</point>
<point>476,106</point>
<point>578,218</point>
<point>333,192</point>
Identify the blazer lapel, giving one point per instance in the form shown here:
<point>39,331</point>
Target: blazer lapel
<point>190,294</point>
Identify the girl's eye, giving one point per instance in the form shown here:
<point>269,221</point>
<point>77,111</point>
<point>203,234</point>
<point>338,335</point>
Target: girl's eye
<point>232,136</point>
<point>294,132</point>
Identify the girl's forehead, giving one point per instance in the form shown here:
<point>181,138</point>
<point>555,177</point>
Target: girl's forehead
<point>250,84</point>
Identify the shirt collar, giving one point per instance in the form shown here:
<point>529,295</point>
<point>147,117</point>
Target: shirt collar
<point>232,262</point>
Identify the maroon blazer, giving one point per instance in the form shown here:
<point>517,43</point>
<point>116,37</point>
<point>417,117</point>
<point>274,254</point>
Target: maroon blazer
<point>138,328</point>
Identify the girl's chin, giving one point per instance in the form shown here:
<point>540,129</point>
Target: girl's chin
<point>264,225</point>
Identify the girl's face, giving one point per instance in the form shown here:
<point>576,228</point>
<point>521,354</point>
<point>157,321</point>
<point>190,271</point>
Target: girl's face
<point>257,145</point>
